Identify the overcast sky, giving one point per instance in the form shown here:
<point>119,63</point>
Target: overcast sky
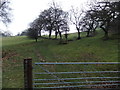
<point>25,11</point>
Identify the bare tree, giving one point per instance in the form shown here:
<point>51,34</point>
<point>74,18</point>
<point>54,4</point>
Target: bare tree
<point>47,18</point>
<point>32,33</point>
<point>107,14</point>
<point>53,19</point>
<point>37,24</point>
<point>90,23</point>
<point>75,18</point>
<point>5,11</point>
<point>59,18</point>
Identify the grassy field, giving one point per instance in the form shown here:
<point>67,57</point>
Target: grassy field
<point>88,49</point>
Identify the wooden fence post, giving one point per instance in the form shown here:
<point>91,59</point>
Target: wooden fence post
<point>28,73</point>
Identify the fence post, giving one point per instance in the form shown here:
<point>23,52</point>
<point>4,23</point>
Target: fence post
<point>28,73</point>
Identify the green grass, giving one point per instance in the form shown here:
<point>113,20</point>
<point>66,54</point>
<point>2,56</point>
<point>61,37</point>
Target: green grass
<point>88,49</point>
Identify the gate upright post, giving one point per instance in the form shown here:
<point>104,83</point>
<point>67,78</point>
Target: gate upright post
<point>28,73</point>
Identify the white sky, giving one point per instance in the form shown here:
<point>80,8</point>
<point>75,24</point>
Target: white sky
<point>25,11</point>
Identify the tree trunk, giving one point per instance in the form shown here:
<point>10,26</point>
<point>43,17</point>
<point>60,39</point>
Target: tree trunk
<point>50,32</point>
<point>36,39</point>
<point>106,37</point>
<point>66,37</point>
<point>94,31</point>
<point>78,33</point>
<point>60,35</point>
<point>88,33</point>
<point>40,33</point>
<point>107,29</point>
<point>56,33</point>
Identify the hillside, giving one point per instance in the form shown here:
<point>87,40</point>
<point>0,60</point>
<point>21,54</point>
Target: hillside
<point>88,49</point>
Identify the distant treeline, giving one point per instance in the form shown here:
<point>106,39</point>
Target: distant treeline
<point>5,34</point>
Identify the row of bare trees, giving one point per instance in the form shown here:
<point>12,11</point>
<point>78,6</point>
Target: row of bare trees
<point>104,15</point>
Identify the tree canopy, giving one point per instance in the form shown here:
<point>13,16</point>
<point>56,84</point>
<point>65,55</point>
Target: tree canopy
<point>5,11</point>
<point>53,19</point>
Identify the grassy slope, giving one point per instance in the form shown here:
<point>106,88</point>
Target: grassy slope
<point>15,49</point>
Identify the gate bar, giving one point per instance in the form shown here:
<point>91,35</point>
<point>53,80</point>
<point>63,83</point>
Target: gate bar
<point>77,82</point>
<point>59,63</point>
<point>77,78</point>
<point>80,72</point>
<point>77,86</point>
